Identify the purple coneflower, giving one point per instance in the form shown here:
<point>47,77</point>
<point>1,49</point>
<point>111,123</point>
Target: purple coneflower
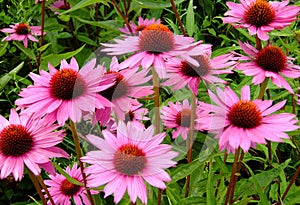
<point>62,190</point>
<point>28,140</point>
<point>179,116</point>
<point>64,93</point>
<point>22,32</point>
<point>268,62</point>
<point>126,159</point>
<point>245,123</point>
<point>260,16</point>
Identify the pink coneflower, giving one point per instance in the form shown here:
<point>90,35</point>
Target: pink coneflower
<point>268,62</point>
<point>142,23</point>
<point>22,32</point>
<point>244,123</point>
<point>182,73</point>
<point>127,84</point>
<point>27,140</point>
<point>124,161</point>
<point>152,46</point>
<point>62,190</point>
<point>260,16</point>
<point>59,5</point>
<point>64,93</point>
<point>179,116</point>
<point>136,113</point>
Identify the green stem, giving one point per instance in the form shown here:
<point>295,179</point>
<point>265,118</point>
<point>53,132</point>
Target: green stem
<point>79,155</point>
<point>232,177</point>
<point>263,88</point>
<point>42,36</point>
<point>37,186</point>
<point>155,80</point>
<point>41,181</point>
<point>189,142</point>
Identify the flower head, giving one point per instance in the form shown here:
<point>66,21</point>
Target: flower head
<point>59,5</point>
<point>182,73</point>
<point>260,16</point>
<point>142,24</point>
<point>22,32</point>
<point>153,45</point>
<point>126,84</point>
<point>179,116</point>
<point>268,62</point>
<point>62,190</point>
<point>244,122</point>
<point>126,159</point>
<point>64,93</point>
<point>27,140</point>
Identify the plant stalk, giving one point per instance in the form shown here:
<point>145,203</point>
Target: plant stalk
<point>41,181</point>
<point>79,155</point>
<point>178,17</point>
<point>42,37</point>
<point>155,80</point>
<point>37,186</point>
<point>190,141</point>
<point>232,177</point>
<point>291,183</point>
<point>123,15</point>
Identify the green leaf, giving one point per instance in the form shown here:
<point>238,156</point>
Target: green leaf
<point>196,200</point>
<point>54,59</point>
<point>210,198</point>
<point>109,24</point>
<point>27,51</point>
<point>65,174</point>
<point>3,48</point>
<point>87,40</point>
<point>83,4</point>
<point>8,76</point>
<point>257,183</point>
<point>246,34</point>
<point>173,192</point>
<point>190,19</point>
<point>182,171</point>
<point>152,4</point>
<point>44,47</point>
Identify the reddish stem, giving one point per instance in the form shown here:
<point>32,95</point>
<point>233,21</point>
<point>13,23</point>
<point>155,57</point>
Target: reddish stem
<point>178,17</point>
<point>291,183</point>
<point>125,18</point>
<point>232,177</point>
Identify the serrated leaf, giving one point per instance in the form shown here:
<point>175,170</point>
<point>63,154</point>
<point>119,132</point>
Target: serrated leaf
<point>27,51</point>
<point>55,59</point>
<point>190,19</point>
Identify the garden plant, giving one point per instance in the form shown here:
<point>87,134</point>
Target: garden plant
<point>155,102</point>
